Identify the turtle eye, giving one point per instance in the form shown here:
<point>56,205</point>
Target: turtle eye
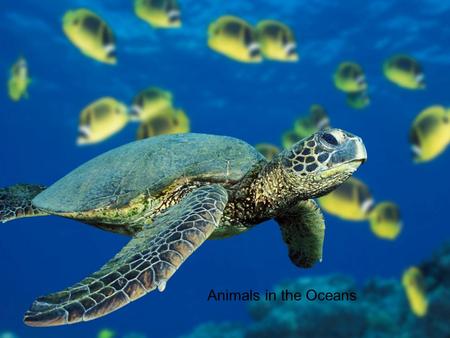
<point>330,139</point>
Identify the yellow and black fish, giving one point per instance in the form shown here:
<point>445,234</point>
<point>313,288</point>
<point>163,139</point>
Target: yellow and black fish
<point>358,100</point>
<point>169,121</point>
<point>100,120</point>
<point>269,151</point>
<point>181,121</point>
<point>350,201</point>
<point>289,138</point>
<point>349,77</point>
<point>413,284</point>
<point>316,120</point>
<point>277,41</point>
<point>385,220</point>
<point>19,80</point>
<point>149,103</point>
<point>234,38</point>
<point>429,135</point>
<point>319,116</point>
<point>159,13</point>
<point>93,37</point>
<point>405,72</point>
<point>304,127</point>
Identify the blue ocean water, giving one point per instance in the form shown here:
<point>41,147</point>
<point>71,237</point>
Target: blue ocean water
<point>253,102</point>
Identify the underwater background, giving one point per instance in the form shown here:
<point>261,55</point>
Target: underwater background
<point>253,102</point>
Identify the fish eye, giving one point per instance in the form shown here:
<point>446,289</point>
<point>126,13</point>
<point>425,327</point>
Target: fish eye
<point>330,139</point>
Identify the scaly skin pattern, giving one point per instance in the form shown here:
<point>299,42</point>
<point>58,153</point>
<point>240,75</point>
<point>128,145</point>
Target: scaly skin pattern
<point>146,263</point>
<point>303,230</point>
<point>15,202</point>
<point>292,176</point>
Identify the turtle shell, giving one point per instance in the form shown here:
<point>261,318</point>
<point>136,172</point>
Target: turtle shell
<point>117,176</point>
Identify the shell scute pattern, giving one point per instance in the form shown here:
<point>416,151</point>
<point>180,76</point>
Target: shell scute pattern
<point>148,167</point>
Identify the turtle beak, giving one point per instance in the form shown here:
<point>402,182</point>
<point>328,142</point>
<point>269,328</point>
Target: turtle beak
<point>359,150</point>
<point>353,150</point>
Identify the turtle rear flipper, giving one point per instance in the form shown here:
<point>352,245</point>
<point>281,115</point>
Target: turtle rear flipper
<point>143,265</point>
<point>15,201</point>
<point>303,230</point>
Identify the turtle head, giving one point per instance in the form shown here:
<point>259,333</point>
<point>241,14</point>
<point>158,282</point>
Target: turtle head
<point>317,164</point>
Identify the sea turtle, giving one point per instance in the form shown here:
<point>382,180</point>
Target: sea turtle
<point>170,193</point>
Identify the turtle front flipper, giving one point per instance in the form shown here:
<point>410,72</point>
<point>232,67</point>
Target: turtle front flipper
<point>143,265</point>
<point>15,202</point>
<point>303,230</point>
